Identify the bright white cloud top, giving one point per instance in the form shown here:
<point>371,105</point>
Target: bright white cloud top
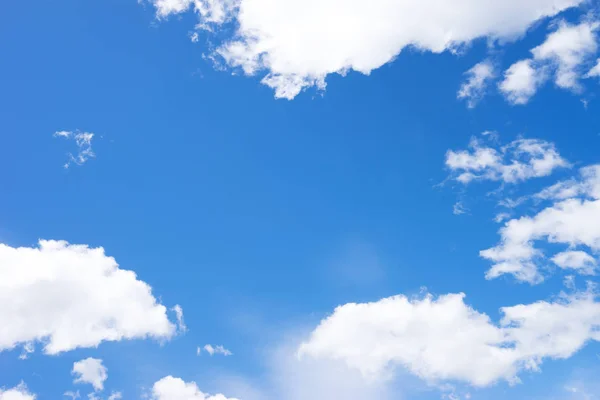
<point>571,220</point>
<point>170,388</point>
<point>72,296</point>
<point>92,371</point>
<point>443,339</point>
<point>19,392</point>
<point>515,162</point>
<point>295,44</point>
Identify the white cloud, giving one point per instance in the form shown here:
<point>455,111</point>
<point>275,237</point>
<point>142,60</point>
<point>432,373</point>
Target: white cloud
<point>587,185</point>
<point>83,141</point>
<point>170,388</point>
<point>72,296</point>
<point>212,350</point>
<point>567,48</point>
<point>19,392</point>
<point>595,71</point>
<point>520,160</point>
<point>295,44</point>
<point>92,371</point>
<point>179,315</point>
<point>521,81</point>
<point>565,52</point>
<point>459,208</point>
<point>443,339</point>
<point>28,348</point>
<point>478,77</point>
<point>115,396</point>
<point>571,220</point>
<point>578,260</point>
<point>72,395</point>
<point>501,217</point>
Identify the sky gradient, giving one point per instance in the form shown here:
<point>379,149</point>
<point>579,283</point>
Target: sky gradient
<point>260,199</point>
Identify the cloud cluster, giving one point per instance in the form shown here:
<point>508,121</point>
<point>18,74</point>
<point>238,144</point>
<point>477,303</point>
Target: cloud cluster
<point>92,371</point>
<point>170,388</point>
<point>563,56</point>
<point>443,339</point>
<point>72,296</point>
<point>517,161</point>
<point>296,44</point>
<point>83,141</point>
<point>571,220</point>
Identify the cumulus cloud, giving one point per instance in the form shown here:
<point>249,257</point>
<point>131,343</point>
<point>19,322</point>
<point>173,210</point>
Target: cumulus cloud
<point>443,339</point>
<point>478,78</point>
<point>92,371</point>
<point>212,350</point>
<point>170,388</point>
<point>571,220</point>
<point>19,392</point>
<point>72,296</point>
<point>568,48</point>
<point>520,160</point>
<point>295,44</point>
<point>83,141</point>
<point>521,82</point>
<point>565,52</point>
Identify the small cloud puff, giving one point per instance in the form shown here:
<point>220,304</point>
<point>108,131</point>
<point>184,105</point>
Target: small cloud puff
<point>212,350</point>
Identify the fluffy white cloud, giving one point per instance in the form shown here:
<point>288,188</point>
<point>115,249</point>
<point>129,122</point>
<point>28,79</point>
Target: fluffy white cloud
<point>520,160</point>
<point>587,185</point>
<point>170,388</point>
<point>578,260</point>
<point>443,339</point>
<point>565,51</point>
<point>567,48</point>
<point>70,296</point>
<point>83,141</point>
<point>92,371</point>
<point>478,78</point>
<point>19,392</point>
<point>572,220</point>
<point>212,350</point>
<point>521,81</point>
<point>295,44</point>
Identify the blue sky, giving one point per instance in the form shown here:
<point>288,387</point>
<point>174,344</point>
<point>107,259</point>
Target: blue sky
<point>260,163</point>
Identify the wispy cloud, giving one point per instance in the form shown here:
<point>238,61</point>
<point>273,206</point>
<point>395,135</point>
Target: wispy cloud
<point>83,141</point>
<point>212,350</point>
